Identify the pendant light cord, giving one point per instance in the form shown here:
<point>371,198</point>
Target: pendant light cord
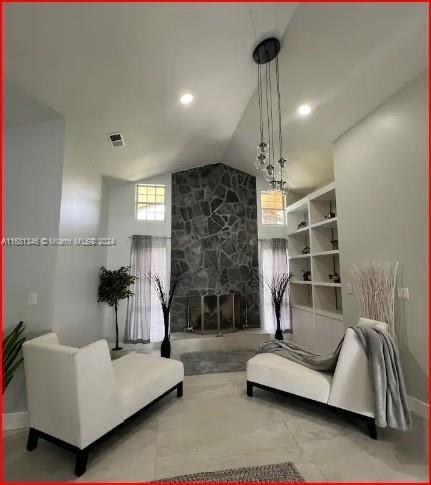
<point>259,95</point>
<point>280,135</point>
<point>267,111</point>
<point>271,117</point>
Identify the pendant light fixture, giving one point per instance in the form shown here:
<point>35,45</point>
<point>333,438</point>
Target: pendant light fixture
<point>269,157</point>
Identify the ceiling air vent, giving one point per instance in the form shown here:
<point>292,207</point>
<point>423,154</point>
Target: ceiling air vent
<point>116,139</point>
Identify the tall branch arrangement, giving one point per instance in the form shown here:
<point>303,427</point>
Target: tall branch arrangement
<point>277,286</point>
<point>165,291</point>
<point>374,285</point>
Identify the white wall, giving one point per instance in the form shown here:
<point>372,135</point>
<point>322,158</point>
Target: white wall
<point>121,225</point>
<point>381,176</point>
<point>78,318</point>
<point>32,174</point>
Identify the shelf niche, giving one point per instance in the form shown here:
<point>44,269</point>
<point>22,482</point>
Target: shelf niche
<point>323,266</point>
<point>321,205</point>
<point>328,299</point>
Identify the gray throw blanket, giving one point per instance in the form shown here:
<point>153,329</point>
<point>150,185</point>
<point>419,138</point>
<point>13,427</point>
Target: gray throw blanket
<point>386,375</point>
<point>290,351</point>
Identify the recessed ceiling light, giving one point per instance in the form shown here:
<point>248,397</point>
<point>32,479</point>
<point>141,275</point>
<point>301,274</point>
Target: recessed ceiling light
<point>186,98</point>
<point>304,109</point>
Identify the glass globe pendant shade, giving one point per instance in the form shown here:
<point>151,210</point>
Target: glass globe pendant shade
<point>268,173</point>
<point>271,185</point>
<point>262,147</point>
<point>282,162</point>
<point>261,160</point>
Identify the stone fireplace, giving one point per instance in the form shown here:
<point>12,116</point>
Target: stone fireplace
<point>214,246</point>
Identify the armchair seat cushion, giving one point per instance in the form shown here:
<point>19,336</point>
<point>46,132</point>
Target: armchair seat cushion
<point>278,373</point>
<point>141,378</point>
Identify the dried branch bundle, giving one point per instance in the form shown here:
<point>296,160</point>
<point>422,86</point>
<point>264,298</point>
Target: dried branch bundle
<point>164,292</point>
<point>277,285</point>
<point>374,285</point>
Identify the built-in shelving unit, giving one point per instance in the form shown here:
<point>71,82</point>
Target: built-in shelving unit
<point>316,305</point>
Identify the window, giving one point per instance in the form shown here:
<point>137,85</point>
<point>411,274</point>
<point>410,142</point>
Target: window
<point>271,204</point>
<point>150,202</point>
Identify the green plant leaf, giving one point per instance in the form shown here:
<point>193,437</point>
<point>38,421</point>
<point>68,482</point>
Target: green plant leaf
<point>11,345</point>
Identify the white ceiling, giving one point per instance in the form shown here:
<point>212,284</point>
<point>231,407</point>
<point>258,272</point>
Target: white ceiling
<point>122,66</point>
<point>343,59</point>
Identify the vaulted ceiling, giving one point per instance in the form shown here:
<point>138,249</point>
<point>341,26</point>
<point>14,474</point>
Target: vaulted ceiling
<point>123,66</point>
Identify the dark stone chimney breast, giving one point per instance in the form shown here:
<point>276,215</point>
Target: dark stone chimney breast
<point>214,237</point>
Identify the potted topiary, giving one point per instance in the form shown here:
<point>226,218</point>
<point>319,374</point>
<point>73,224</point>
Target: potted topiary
<point>114,287</point>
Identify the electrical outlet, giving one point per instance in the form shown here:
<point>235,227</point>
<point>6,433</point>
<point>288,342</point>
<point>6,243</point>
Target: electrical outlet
<point>349,288</point>
<point>32,299</point>
<point>403,293</point>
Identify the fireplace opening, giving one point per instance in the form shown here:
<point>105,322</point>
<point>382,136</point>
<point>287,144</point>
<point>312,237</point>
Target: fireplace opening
<point>214,313</point>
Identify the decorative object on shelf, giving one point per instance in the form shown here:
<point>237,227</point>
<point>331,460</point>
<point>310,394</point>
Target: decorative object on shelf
<point>374,285</point>
<point>306,275</point>
<point>306,250</point>
<point>302,225</point>
<point>114,287</point>
<point>11,355</point>
<point>335,277</point>
<point>331,214</point>
<point>269,100</point>
<point>277,285</point>
<point>334,243</point>
<point>165,296</point>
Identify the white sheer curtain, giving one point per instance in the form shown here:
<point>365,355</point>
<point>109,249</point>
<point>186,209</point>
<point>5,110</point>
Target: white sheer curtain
<point>273,259</point>
<point>144,314</point>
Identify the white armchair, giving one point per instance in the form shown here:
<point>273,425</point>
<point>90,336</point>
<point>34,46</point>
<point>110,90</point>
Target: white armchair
<point>75,396</point>
<point>348,388</point>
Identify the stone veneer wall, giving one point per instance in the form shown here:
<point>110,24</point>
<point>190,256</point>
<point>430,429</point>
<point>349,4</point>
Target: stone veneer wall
<point>214,236</point>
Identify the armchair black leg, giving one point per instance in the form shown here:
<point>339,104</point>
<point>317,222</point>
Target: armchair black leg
<point>180,390</point>
<point>32,439</point>
<point>81,462</point>
<point>249,389</point>
<point>372,429</point>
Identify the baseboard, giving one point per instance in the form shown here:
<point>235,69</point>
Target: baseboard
<point>418,407</point>
<point>15,420</point>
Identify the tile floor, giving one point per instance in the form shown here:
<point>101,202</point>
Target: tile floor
<point>216,426</point>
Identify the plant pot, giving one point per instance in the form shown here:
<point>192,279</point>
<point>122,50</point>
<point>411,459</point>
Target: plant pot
<point>165,348</point>
<point>278,333</point>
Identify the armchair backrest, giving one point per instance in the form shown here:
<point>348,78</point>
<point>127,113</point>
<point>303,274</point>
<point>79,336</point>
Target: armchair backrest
<point>351,385</point>
<point>71,392</point>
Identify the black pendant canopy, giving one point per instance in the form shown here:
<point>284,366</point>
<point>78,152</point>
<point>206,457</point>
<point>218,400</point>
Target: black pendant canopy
<point>266,50</point>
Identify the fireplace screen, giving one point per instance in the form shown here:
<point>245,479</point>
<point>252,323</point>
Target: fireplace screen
<point>212,313</point>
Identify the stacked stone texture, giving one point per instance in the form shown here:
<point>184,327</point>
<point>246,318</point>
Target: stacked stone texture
<point>214,237</point>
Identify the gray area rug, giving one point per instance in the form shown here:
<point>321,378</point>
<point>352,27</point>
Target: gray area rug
<point>197,363</point>
<point>281,472</point>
